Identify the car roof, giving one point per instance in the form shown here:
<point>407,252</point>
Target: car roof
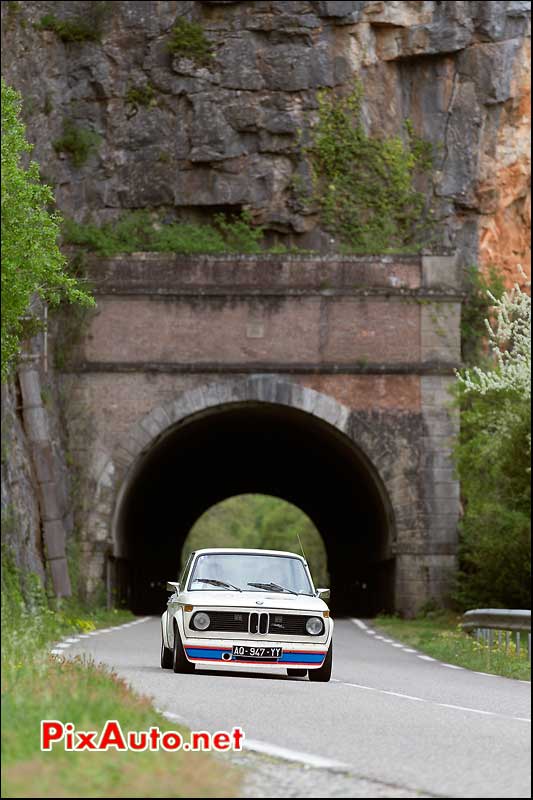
<point>248,551</point>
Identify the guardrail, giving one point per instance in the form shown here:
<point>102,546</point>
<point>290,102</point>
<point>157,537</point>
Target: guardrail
<point>484,623</point>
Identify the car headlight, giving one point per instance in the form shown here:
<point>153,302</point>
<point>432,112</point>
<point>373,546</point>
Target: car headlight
<point>314,626</point>
<point>201,621</point>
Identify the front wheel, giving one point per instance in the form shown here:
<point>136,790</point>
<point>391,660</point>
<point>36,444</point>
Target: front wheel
<point>296,673</point>
<point>323,673</point>
<point>179,659</point>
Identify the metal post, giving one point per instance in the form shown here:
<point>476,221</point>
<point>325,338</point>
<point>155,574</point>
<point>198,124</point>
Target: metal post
<point>490,638</point>
<point>499,639</point>
<point>507,640</point>
<point>518,643</point>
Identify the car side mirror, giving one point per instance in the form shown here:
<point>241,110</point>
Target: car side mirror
<point>323,594</point>
<point>173,586</point>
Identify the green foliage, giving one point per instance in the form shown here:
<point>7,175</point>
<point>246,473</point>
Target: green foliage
<point>260,521</point>
<point>136,232</point>
<point>493,463</point>
<point>32,263</point>
<point>476,309</point>
<point>79,28</point>
<point>188,40</point>
<point>141,95</point>
<point>363,185</point>
<point>77,143</point>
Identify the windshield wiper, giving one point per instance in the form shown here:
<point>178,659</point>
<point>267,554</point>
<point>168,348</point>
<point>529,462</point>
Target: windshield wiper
<point>217,583</point>
<point>273,587</point>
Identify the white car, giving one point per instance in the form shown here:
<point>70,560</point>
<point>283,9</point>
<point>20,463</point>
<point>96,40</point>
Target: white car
<point>252,608</point>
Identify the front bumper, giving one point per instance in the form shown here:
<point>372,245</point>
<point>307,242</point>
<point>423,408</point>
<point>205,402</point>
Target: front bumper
<point>215,651</point>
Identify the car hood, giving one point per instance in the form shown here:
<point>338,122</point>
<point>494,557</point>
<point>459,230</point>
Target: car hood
<point>254,600</point>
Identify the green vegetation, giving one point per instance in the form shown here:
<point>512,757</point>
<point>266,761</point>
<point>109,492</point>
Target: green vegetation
<point>188,40</point>
<point>77,143</point>
<point>136,232</point>
<point>78,28</point>
<point>260,521</point>
<point>493,457</point>
<point>32,263</point>
<point>36,686</point>
<point>438,634</point>
<point>364,185</point>
<point>493,466</point>
<point>475,310</point>
<point>141,95</point>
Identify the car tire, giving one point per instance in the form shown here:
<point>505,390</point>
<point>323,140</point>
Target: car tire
<point>166,656</point>
<point>296,673</point>
<point>323,673</point>
<point>180,663</point>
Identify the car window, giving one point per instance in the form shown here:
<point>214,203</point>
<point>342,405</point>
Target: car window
<point>241,569</point>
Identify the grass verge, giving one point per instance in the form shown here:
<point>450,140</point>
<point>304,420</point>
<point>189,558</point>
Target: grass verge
<point>37,686</point>
<point>439,635</point>
<point>88,695</point>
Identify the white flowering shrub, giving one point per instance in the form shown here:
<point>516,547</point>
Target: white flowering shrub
<point>509,336</point>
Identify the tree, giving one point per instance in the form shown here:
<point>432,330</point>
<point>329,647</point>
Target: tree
<point>493,459</point>
<point>32,263</point>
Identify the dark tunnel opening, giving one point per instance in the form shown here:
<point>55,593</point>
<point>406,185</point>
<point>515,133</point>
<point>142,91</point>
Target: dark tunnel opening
<point>254,448</point>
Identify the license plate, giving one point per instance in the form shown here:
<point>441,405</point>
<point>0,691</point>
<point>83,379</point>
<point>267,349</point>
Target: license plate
<point>259,653</point>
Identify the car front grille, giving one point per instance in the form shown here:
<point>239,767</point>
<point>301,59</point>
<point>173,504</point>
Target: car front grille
<point>258,622</point>
<point>288,624</point>
<point>228,621</point>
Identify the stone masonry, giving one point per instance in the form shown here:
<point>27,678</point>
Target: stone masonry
<point>366,344</point>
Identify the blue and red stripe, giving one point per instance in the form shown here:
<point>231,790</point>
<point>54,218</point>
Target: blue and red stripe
<point>293,657</point>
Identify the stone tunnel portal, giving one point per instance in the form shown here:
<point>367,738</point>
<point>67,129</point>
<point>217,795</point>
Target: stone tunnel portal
<point>254,447</point>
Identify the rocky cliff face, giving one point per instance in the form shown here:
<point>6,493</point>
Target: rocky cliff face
<point>190,138</point>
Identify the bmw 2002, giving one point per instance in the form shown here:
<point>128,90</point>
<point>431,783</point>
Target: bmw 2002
<point>252,608</point>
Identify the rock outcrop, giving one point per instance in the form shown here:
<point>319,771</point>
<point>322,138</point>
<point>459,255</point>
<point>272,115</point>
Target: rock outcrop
<point>227,132</point>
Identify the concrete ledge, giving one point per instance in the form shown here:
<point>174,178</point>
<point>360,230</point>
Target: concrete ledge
<point>443,368</point>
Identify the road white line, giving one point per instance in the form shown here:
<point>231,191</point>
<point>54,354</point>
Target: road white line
<point>359,623</point>
<point>173,717</point>
<point>435,703</point>
<point>318,762</point>
<point>386,691</point>
<point>409,650</point>
<point>427,658</point>
<point>451,666</point>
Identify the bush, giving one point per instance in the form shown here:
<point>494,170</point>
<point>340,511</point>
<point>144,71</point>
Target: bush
<point>188,40</point>
<point>493,465</point>
<point>136,232</point>
<point>78,28</point>
<point>364,185</point>
<point>77,143</point>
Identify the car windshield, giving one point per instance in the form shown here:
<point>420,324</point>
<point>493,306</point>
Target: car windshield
<point>224,571</point>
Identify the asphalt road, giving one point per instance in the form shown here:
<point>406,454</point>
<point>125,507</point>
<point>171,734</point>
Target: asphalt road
<point>389,717</point>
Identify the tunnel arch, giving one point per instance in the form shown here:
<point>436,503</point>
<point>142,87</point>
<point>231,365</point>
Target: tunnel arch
<point>265,435</point>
